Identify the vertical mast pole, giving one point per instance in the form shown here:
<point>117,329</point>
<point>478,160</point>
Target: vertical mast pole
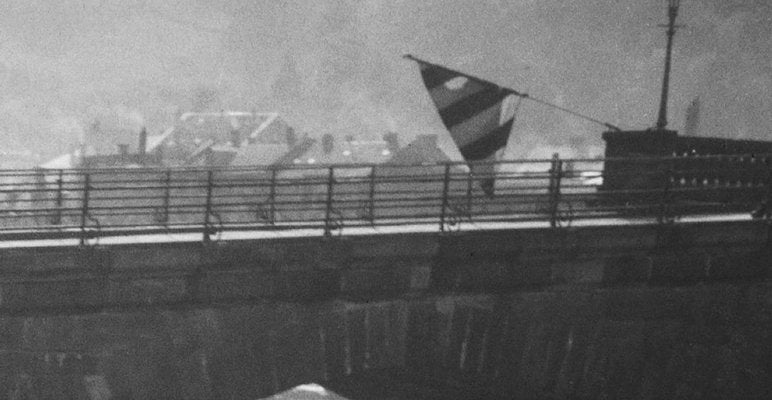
<point>671,28</point>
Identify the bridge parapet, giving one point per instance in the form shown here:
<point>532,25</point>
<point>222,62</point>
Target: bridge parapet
<point>378,266</point>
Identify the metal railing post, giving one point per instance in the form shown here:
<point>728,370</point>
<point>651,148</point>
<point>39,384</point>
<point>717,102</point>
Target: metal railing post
<point>768,197</point>
<point>272,197</point>
<point>469,191</point>
<point>371,203</point>
<point>664,205</point>
<point>208,206</point>
<point>59,198</point>
<point>328,207</point>
<point>763,210</point>
<point>84,207</point>
<point>556,175</point>
<point>167,195</point>
<point>445,187</point>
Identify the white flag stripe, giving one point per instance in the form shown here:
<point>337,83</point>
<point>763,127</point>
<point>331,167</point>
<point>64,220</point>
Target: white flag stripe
<point>443,96</point>
<point>476,127</point>
<point>508,107</point>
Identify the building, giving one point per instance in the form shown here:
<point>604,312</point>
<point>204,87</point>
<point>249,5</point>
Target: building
<point>228,138</point>
<point>121,155</point>
<point>295,190</point>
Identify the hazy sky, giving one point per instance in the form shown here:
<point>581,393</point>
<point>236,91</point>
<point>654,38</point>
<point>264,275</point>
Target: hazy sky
<point>336,66</point>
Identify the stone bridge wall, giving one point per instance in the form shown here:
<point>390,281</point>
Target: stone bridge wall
<point>620,312</point>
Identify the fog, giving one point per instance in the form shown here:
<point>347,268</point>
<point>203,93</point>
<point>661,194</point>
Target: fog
<point>335,66</point>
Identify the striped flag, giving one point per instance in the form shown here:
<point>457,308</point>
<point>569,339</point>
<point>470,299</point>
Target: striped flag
<point>478,114</point>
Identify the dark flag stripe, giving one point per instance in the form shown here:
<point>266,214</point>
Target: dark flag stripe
<point>479,125</point>
<point>435,76</point>
<point>471,105</point>
<point>443,96</point>
<point>488,144</point>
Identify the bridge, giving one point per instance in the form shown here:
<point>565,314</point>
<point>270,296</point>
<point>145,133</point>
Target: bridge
<point>242,283</point>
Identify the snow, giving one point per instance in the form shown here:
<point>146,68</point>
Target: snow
<point>423,226</point>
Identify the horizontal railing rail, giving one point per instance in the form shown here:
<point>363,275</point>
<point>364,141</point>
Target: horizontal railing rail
<point>92,203</point>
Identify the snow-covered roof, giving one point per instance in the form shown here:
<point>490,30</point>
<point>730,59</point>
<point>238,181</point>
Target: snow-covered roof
<point>65,161</point>
<point>153,141</point>
<point>422,150</point>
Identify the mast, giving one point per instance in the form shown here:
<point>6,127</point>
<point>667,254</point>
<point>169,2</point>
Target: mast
<point>671,28</point>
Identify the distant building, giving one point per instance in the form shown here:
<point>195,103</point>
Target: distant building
<point>118,156</point>
<point>109,138</point>
<point>258,141</point>
<point>237,138</point>
<point>229,138</point>
<point>422,150</point>
<point>329,150</point>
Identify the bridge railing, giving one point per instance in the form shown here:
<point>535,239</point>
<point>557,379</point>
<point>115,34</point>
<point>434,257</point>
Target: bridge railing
<point>104,202</point>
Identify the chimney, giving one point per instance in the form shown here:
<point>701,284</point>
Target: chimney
<point>328,143</point>
<point>291,137</point>
<point>235,138</point>
<point>142,147</point>
<point>392,141</point>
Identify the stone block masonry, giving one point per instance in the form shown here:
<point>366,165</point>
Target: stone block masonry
<point>672,311</point>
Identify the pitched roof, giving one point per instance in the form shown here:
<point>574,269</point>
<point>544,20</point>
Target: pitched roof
<point>271,154</point>
<point>64,161</point>
<point>230,137</point>
<point>422,150</point>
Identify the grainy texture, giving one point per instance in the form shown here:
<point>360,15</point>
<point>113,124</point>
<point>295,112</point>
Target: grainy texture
<point>498,314</point>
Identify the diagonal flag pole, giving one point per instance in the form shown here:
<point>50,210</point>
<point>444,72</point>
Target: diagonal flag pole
<point>516,93</point>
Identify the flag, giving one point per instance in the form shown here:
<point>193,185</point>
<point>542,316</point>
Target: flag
<point>478,114</point>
